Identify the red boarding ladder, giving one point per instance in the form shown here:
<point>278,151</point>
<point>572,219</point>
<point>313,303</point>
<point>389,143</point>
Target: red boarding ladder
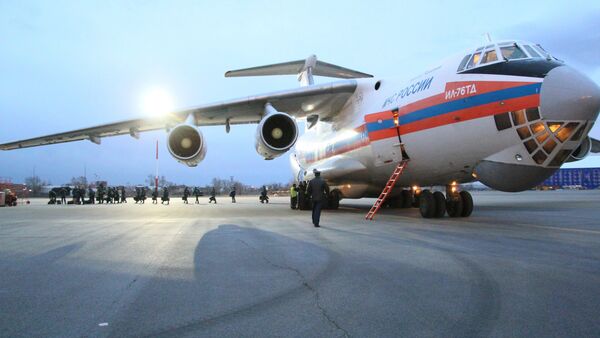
<point>388,188</point>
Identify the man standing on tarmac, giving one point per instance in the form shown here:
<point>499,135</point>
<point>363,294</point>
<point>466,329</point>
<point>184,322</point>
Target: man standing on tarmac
<point>232,195</point>
<point>318,190</point>
<point>293,196</point>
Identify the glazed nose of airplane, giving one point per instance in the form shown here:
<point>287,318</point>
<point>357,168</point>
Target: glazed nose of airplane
<point>567,94</point>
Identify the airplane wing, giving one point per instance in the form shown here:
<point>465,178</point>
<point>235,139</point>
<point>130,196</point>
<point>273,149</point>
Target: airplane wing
<point>324,100</point>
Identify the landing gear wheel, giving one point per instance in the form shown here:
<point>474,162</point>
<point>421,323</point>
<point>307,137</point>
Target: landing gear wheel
<point>454,205</point>
<point>467,203</point>
<point>426,204</point>
<point>334,200</point>
<point>394,203</point>
<point>406,198</point>
<point>440,204</point>
<point>416,199</point>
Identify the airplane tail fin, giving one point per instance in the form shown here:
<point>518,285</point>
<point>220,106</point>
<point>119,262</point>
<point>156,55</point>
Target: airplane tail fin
<point>304,69</point>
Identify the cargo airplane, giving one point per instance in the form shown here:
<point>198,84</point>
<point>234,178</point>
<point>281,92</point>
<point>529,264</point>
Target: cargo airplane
<point>505,113</point>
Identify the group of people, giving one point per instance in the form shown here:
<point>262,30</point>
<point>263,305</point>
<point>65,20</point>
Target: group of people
<point>304,196</point>
<point>78,194</point>
<point>312,195</point>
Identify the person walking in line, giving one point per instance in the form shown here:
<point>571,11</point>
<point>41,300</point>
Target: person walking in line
<point>92,196</point>
<point>63,196</point>
<point>186,194</point>
<point>232,195</point>
<point>154,196</point>
<point>212,197</point>
<point>197,194</point>
<point>165,196</point>
<point>293,196</point>
<point>123,195</point>
<point>264,195</point>
<point>318,190</point>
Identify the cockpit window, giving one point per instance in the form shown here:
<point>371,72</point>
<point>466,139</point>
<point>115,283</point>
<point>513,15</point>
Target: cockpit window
<point>532,52</point>
<point>474,60</point>
<point>463,62</point>
<point>503,51</point>
<point>542,51</point>
<point>489,56</point>
<point>512,52</point>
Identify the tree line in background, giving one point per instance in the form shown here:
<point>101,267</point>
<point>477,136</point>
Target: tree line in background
<point>221,185</point>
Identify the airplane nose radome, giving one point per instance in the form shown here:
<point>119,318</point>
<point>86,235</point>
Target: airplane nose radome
<point>567,94</point>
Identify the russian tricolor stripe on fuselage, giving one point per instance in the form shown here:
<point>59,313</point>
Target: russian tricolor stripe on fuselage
<point>460,101</point>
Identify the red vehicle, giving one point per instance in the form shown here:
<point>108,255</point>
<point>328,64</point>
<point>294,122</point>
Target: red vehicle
<point>10,198</point>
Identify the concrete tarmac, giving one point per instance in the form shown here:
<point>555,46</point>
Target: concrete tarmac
<point>524,264</point>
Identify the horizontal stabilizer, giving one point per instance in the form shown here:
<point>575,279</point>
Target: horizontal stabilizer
<point>305,69</point>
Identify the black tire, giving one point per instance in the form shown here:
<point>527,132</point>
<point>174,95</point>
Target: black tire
<point>334,200</point>
<point>393,203</point>
<point>467,203</point>
<point>407,199</point>
<point>440,204</point>
<point>454,206</point>
<point>426,204</point>
<point>416,199</point>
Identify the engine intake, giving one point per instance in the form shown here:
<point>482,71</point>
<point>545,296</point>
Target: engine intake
<point>276,133</point>
<point>186,145</point>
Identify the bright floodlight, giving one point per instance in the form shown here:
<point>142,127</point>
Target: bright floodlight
<point>156,101</point>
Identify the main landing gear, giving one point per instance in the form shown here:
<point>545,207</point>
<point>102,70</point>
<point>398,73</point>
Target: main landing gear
<point>455,203</point>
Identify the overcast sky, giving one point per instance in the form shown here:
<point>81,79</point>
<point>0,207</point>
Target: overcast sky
<point>71,64</point>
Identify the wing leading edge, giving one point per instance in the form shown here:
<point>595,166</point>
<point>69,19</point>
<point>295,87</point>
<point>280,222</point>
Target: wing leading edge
<point>324,100</point>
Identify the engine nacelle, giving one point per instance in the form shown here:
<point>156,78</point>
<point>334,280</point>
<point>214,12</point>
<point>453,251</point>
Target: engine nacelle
<point>582,151</point>
<point>186,144</point>
<point>276,133</point>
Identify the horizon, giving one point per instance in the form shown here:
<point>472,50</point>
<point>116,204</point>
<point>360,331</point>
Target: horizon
<point>69,65</point>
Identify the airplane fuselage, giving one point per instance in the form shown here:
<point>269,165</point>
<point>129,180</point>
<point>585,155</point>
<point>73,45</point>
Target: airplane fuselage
<point>508,123</point>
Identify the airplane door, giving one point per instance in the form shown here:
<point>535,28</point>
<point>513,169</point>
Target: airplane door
<point>384,135</point>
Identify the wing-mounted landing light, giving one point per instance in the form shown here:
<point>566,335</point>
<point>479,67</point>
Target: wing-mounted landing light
<point>95,139</point>
<point>135,133</point>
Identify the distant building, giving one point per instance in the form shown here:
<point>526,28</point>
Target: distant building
<point>574,178</point>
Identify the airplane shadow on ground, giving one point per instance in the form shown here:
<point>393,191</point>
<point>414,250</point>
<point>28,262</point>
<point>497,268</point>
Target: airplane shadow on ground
<point>259,283</point>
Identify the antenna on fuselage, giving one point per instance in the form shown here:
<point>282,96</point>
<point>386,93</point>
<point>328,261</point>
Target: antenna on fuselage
<point>488,37</point>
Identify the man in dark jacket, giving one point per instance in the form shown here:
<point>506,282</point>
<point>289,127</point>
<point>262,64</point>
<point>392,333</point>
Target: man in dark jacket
<point>155,196</point>
<point>186,194</point>
<point>92,196</point>
<point>232,195</point>
<point>63,196</point>
<point>123,196</point>
<point>318,191</point>
<point>165,196</point>
<point>196,194</point>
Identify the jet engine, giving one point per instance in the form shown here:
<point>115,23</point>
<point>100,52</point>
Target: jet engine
<point>582,151</point>
<point>276,133</point>
<point>186,143</point>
